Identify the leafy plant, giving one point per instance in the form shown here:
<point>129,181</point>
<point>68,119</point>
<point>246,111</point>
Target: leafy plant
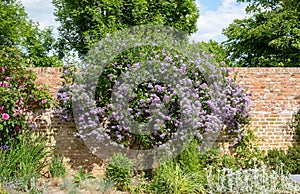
<point>57,168</point>
<point>192,159</point>
<point>119,171</point>
<point>246,150</point>
<point>23,161</point>
<point>81,176</point>
<point>275,158</point>
<point>20,33</point>
<point>171,178</point>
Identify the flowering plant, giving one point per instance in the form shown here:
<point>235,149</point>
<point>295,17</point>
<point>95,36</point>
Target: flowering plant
<point>154,103</point>
<point>19,95</point>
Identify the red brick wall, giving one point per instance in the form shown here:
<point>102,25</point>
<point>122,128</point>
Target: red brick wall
<point>275,98</point>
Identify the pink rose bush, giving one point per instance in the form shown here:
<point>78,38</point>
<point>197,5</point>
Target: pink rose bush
<point>20,94</point>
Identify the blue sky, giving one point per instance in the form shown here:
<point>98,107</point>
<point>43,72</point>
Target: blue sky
<point>210,4</point>
<point>214,16</point>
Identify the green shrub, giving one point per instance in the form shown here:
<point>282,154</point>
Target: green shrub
<point>292,161</point>
<point>276,158</point>
<point>192,159</point>
<point>119,171</point>
<point>246,150</point>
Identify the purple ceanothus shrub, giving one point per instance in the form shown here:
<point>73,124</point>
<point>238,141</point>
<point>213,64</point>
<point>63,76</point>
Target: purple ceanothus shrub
<point>145,95</point>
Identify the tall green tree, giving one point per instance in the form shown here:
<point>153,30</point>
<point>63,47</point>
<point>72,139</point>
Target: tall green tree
<point>269,37</point>
<point>88,21</point>
<point>21,35</point>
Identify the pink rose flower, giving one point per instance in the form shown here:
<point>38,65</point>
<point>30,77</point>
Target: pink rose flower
<point>5,116</point>
<point>7,78</point>
<point>19,111</point>
<point>4,84</point>
<point>44,101</point>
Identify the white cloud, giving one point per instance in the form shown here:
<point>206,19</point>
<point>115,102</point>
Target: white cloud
<point>211,23</point>
<point>41,11</point>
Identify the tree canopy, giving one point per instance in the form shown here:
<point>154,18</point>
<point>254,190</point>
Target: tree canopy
<point>18,33</point>
<point>269,37</point>
<point>84,22</point>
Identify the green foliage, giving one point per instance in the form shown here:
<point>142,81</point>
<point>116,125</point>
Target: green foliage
<point>84,23</point>
<point>81,176</point>
<point>275,158</point>
<point>19,95</point>
<point>119,171</point>
<point>269,37</point>
<point>20,33</point>
<point>290,160</point>
<point>22,162</point>
<point>192,159</point>
<point>171,178</point>
<point>13,19</point>
<point>218,51</point>
<point>293,159</point>
<point>57,168</point>
<point>297,126</point>
<point>246,150</point>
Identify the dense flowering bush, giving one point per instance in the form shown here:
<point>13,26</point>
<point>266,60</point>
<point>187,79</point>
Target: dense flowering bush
<point>19,95</point>
<point>157,106</point>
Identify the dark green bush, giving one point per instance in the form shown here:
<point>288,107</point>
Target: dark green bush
<point>289,160</point>
<point>292,161</point>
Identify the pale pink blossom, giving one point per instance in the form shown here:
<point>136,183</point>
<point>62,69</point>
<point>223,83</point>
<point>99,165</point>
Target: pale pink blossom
<point>5,116</point>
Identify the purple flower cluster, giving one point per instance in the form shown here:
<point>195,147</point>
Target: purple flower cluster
<point>150,113</point>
